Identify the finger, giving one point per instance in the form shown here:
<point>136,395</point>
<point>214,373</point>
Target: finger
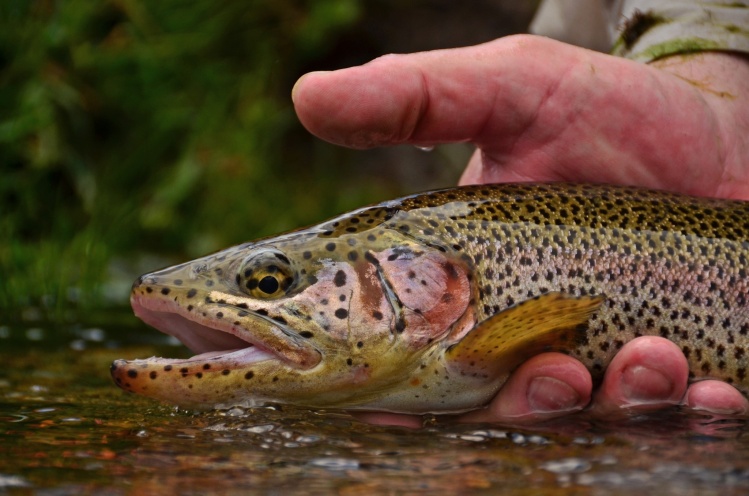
<point>473,171</point>
<point>488,94</point>
<point>546,386</point>
<point>392,419</point>
<point>476,173</point>
<point>716,397</point>
<point>648,373</point>
<point>399,98</point>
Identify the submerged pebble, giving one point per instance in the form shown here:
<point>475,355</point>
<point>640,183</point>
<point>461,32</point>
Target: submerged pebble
<point>260,429</point>
<point>567,466</point>
<point>10,481</point>
<point>335,463</point>
<point>309,439</point>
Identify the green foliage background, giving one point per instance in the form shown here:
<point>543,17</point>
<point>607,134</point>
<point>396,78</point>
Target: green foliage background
<point>131,127</point>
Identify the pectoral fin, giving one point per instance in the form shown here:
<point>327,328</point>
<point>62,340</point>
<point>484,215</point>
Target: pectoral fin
<point>497,345</point>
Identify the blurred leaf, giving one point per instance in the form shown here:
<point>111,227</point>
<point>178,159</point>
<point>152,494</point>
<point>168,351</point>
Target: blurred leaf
<point>132,125</point>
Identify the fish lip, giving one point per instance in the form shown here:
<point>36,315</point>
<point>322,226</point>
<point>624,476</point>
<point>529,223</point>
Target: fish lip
<point>170,318</point>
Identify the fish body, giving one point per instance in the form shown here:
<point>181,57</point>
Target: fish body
<point>427,303</point>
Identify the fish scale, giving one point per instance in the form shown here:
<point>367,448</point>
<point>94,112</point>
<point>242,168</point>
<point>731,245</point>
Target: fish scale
<point>668,265</point>
<point>427,303</point>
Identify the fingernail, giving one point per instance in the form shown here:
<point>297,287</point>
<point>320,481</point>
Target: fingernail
<point>546,394</point>
<point>299,81</point>
<point>645,385</point>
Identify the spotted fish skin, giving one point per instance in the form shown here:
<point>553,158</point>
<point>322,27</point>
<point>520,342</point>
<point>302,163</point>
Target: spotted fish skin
<point>371,305</point>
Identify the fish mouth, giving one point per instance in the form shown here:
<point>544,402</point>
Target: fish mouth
<point>223,340</point>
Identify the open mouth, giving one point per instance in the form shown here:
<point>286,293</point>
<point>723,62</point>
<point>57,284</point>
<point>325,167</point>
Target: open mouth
<point>220,328</point>
<point>206,338</point>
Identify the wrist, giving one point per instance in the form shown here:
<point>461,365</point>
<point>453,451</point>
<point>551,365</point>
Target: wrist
<point>722,80</point>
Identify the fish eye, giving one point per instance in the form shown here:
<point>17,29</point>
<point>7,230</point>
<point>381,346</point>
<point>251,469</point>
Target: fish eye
<point>266,275</point>
<point>268,285</point>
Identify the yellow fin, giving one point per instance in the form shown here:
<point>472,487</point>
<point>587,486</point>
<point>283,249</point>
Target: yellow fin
<point>553,321</point>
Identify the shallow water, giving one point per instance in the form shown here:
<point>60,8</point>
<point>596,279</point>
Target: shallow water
<point>65,429</point>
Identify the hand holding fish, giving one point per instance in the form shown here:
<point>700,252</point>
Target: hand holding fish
<point>540,110</point>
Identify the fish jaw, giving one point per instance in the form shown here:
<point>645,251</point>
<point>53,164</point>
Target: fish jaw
<point>230,352</point>
<point>199,382</point>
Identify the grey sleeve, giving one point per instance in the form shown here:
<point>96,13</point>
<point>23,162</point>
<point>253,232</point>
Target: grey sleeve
<point>646,30</point>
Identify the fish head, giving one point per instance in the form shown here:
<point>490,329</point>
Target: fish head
<point>337,315</point>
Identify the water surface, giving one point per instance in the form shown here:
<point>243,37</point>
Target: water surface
<point>65,429</point>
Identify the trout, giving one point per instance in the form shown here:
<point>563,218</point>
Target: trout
<point>427,303</point>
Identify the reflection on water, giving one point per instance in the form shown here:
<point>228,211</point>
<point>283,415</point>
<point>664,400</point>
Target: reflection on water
<point>64,429</point>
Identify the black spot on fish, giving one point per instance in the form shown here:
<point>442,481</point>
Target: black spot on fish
<point>225,372</point>
<point>167,368</point>
<point>132,373</point>
<point>400,325</point>
<point>340,278</point>
<point>192,293</point>
<point>153,374</point>
<point>165,291</point>
<point>341,313</point>
<point>306,334</point>
<point>282,258</point>
<point>377,315</point>
<point>330,247</point>
<point>249,375</point>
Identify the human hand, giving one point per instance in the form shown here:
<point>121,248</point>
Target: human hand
<point>539,110</point>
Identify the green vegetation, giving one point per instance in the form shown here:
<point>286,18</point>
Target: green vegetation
<point>132,126</point>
